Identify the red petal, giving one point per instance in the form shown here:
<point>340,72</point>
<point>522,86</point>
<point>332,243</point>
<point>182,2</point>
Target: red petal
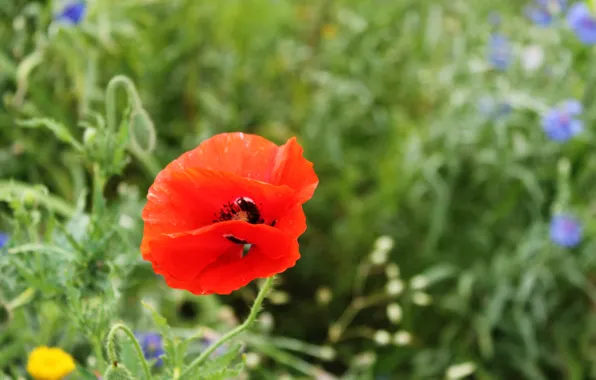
<point>204,261</point>
<point>190,199</point>
<point>228,274</point>
<point>245,155</point>
<point>293,223</point>
<point>293,170</point>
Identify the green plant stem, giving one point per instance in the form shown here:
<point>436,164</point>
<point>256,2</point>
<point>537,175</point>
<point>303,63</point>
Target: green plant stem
<point>230,335</point>
<point>111,347</point>
<point>13,188</point>
<point>99,182</point>
<point>98,353</point>
<point>115,82</point>
<point>22,299</point>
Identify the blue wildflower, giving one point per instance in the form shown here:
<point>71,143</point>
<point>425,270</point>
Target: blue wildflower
<point>583,23</point>
<point>72,13</point>
<point>152,345</point>
<point>542,12</point>
<point>561,123</point>
<point>499,54</point>
<point>3,239</point>
<point>565,230</point>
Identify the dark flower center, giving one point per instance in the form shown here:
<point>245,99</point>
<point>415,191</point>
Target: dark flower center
<point>244,209</point>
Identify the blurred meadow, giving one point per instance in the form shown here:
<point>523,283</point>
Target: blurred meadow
<point>452,232</point>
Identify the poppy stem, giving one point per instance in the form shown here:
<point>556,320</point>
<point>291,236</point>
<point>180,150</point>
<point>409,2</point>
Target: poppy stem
<point>254,311</point>
<point>111,347</point>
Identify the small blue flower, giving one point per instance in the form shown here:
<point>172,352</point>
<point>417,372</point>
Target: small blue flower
<point>152,345</point>
<point>561,123</point>
<point>72,13</point>
<point>499,52</point>
<point>582,22</point>
<point>542,12</point>
<point>565,230</point>
<point>3,239</point>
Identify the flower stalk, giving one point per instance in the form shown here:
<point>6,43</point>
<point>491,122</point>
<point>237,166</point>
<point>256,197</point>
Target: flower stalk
<point>111,348</point>
<point>254,311</point>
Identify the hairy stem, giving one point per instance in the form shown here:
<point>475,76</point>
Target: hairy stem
<point>111,347</point>
<point>230,335</point>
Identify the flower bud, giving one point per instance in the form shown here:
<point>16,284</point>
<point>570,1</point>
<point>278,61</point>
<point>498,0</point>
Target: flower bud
<point>421,299</point>
<point>118,373</point>
<point>392,270</point>
<point>459,371</point>
<point>394,287</point>
<point>402,338</point>
<point>419,282</point>
<point>384,243</point>
<point>394,312</point>
<point>89,136</point>
<point>378,257</point>
<point>327,353</point>
<point>324,295</point>
<point>252,360</point>
<point>365,359</point>
<point>382,337</point>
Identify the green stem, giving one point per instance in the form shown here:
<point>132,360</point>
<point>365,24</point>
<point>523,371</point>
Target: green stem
<point>13,188</point>
<point>100,360</point>
<point>99,182</point>
<point>22,299</point>
<point>111,347</point>
<point>119,80</point>
<point>230,335</point>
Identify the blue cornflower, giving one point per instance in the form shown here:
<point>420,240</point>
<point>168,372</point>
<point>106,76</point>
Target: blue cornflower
<point>582,22</point>
<point>542,12</point>
<point>3,239</point>
<point>499,51</point>
<point>152,345</point>
<point>72,13</point>
<point>561,123</point>
<point>565,230</point>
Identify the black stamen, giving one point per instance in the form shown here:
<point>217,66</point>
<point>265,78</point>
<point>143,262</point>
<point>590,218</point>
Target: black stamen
<point>234,239</point>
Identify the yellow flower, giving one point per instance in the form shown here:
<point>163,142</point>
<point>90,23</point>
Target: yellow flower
<point>47,363</point>
<point>329,31</point>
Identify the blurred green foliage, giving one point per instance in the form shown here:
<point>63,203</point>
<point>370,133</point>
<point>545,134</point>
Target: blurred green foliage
<point>384,96</point>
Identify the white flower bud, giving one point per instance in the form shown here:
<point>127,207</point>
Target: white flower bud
<point>378,257</point>
<point>126,222</point>
<point>402,338</point>
<point>394,287</point>
<point>365,359</point>
<point>459,371</point>
<point>419,282</point>
<point>392,270</point>
<point>323,295</point>
<point>252,360</point>
<point>394,312</point>
<point>384,243</point>
<point>421,299</point>
<point>382,337</point>
<point>327,353</point>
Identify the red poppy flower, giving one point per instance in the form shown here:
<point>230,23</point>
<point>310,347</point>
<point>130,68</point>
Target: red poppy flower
<point>232,190</point>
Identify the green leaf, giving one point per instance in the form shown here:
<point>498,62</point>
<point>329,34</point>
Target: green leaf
<point>59,130</point>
